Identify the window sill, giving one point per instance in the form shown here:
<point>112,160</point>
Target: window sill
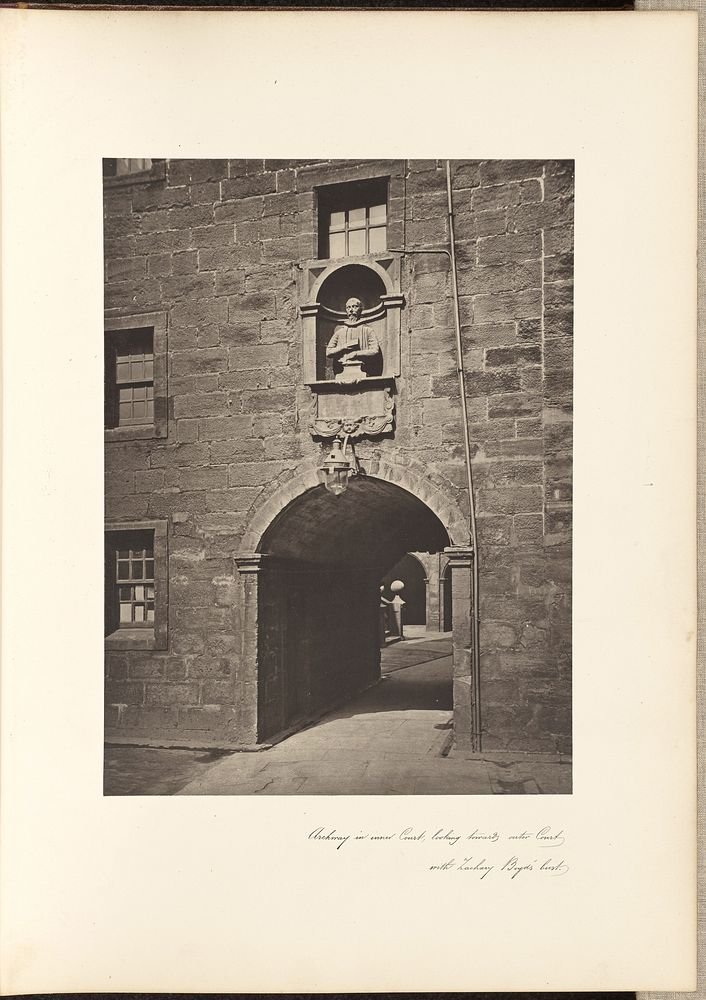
<point>140,432</point>
<point>131,638</point>
<point>360,258</point>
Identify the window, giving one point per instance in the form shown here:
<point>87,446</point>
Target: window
<point>131,379</point>
<point>353,219</point>
<point>113,167</point>
<point>136,585</point>
<point>356,231</point>
<point>135,377</point>
<point>134,580</point>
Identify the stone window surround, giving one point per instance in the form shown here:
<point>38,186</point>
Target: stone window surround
<point>157,321</point>
<point>145,637</point>
<point>311,179</point>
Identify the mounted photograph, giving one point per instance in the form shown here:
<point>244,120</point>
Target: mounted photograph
<point>338,465</point>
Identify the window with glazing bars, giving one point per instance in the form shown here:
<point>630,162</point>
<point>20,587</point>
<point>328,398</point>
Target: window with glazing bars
<point>130,389</point>
<point>356,231</point>
<point>134,580</point>
<point>353,219</point>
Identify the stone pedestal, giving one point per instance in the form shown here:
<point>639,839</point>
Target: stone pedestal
<point>352,372</point>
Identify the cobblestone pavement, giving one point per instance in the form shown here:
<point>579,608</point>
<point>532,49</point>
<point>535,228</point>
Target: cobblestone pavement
<point>391,739</point>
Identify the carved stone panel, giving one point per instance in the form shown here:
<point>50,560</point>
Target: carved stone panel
<point>365,408</point>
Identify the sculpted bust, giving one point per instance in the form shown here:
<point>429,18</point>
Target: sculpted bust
<point>352,344</point>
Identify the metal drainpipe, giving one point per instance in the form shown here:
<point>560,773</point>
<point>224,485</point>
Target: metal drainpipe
<point>475,619</point>
<point>476,733</point>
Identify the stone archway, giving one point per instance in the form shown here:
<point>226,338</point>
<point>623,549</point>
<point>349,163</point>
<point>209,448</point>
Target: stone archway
<point>309,583</point>
<point>412,480</point>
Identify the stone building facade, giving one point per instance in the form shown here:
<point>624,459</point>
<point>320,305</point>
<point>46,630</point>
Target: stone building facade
<point>241,595</point>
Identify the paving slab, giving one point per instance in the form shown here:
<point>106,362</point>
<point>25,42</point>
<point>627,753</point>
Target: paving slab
<point>324,769</point>
<point>318,786</point>
<point>531,778</point>
<point>448,785</point>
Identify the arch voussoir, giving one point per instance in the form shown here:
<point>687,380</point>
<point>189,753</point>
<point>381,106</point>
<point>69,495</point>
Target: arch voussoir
<point>403,476</point>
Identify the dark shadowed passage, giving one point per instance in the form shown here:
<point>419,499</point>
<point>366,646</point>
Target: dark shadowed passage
<point>319,633</point>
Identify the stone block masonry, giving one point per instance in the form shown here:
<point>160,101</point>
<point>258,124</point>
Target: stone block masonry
<point>216,248</point>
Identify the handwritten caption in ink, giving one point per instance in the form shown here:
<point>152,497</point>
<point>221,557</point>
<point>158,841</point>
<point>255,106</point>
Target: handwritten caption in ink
<point>483,853</point>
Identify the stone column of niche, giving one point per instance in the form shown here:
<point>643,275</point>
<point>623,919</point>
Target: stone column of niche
<point>393,324</point>
<point>461,564</point>
<point>250,565</point>
<point>309,313</point>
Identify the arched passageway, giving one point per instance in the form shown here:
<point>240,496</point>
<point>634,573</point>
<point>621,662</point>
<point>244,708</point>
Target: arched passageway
<point>320,564</point>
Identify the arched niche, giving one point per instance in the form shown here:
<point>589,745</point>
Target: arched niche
<point>364,407</point>
<point>325,288</point>
<point>339,286</point>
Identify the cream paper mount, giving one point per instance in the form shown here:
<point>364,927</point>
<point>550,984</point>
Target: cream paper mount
<point>234,894</point>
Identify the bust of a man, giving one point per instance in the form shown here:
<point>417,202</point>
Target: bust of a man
<point>352,344</point>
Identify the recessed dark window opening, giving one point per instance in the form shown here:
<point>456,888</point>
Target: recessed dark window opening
<point>129,378</point>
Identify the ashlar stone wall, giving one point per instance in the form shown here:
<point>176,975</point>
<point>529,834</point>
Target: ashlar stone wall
<point>216,248</point>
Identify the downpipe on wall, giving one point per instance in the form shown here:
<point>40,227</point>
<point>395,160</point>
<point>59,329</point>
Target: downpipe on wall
<point>476,732</point>
<point>475,613</point>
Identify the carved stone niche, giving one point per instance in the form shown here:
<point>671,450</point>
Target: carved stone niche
<point>366,406</point>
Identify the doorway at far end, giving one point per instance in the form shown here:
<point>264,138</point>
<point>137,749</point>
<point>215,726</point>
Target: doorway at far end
<point>410,572</point>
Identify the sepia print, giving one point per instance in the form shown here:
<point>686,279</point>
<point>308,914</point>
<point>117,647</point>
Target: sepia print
<point>338,455</point>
